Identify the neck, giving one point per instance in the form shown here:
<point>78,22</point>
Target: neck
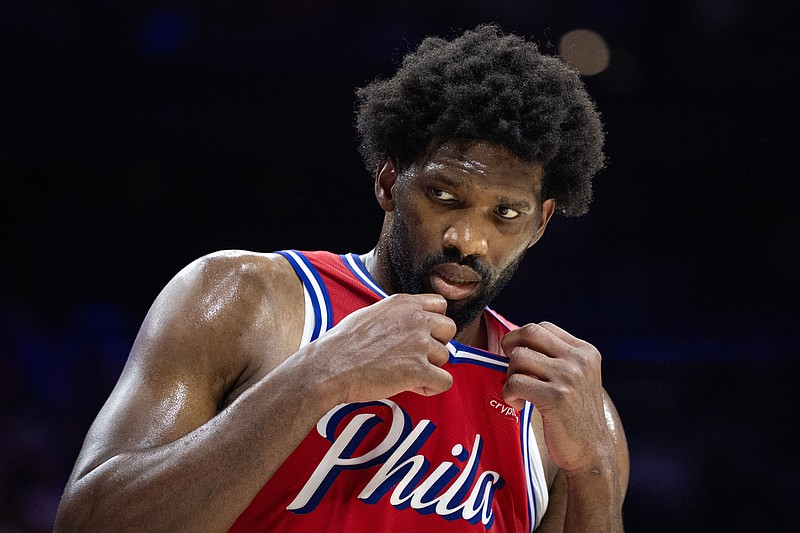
<point>379,267</point>
<point>474,334</point>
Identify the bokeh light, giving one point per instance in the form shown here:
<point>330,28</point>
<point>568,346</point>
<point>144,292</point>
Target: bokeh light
<point>585,50</point>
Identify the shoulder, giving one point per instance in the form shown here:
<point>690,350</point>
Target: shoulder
<point>229,310</point>
<point>230,284</point>
<point>220,322</point>
<point>236,269</point>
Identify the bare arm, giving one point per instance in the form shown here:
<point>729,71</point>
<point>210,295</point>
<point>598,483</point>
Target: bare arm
<point>158,454</point>
<point>571,497</point>
<point>582,430</point>
<point>170,451</point>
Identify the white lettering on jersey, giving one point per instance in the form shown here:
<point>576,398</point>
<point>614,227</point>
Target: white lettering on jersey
<point>507,410</point>
<point>403,471</point>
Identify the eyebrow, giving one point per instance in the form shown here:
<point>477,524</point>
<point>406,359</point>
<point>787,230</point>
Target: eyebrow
<point>517,205</point>
<point>450,181</point>
<point>513,203</point>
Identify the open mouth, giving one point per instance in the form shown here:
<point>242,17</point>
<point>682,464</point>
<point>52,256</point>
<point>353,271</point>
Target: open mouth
<point>453,281</point>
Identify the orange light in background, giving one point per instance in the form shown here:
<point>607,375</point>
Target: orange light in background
<point>585,50</point>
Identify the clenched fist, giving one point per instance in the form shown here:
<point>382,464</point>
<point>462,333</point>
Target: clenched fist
<point>560,375</point>
<point>397,344</point>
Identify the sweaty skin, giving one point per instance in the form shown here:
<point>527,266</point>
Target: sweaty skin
<point>216,394</point>
<point>484,203</point>
<point>248,395</point>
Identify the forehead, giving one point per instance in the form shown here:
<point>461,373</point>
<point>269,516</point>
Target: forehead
<point>482,164</point>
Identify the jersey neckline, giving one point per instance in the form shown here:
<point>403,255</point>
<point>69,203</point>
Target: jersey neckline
<point>457,349</point>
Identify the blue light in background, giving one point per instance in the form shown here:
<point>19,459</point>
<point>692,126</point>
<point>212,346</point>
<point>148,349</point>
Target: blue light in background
<point>165,32</point>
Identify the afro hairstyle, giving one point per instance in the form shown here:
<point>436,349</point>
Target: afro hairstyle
<point>488,86</point>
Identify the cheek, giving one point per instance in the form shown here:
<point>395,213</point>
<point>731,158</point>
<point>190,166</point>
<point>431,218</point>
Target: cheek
<point>508,250</point>
<point>526,236</point>
<point>421,226</point>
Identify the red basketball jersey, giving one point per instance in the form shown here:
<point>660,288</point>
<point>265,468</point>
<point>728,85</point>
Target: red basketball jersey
<point>458,461</point>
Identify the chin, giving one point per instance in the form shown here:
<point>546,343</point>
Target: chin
<point>463,315</point>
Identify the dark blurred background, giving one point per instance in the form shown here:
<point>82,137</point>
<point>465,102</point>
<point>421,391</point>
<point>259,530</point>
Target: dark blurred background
<point>137,136</point>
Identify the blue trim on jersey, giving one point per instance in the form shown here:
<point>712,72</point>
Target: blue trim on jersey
<point>356,266</point>
<point>462,353</point>
<point>320,299</point>
<point>525,425</point>
<point>459,353</point>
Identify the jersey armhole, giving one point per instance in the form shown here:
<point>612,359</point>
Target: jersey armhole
<point>316,301</point>
<point>541,494</point>
<point>309,320</point>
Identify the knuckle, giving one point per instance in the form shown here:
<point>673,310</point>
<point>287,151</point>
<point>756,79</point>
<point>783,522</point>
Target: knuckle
<point>518,357</point>
<point>513,382</point>
<point>517,383</point>
<point>585,356</point>
<point>578,355</point>
<point>531,329</point>
<point>440,355</point>
<point>594,353</point>
<point>571,374</point>
<point>420,341</point>
<point>391,298</point>
<point>522,335</point>
<point>400,298</point>
<point>416,316</point>
<point>513,364</point>
<point>560,392</point>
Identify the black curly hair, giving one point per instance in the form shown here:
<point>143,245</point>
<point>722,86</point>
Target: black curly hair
<point>487,86</point>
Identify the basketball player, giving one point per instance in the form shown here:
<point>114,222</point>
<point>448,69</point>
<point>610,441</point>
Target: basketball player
<point>377,392</point>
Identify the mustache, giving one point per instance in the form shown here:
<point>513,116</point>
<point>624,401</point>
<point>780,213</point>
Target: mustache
<point>450,255</point>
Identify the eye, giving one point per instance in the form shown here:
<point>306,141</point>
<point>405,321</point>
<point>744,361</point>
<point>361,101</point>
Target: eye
<point>506,212</point>
<point>441,194</point>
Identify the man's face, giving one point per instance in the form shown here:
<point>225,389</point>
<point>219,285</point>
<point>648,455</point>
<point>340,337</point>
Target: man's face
<point>461,223</point>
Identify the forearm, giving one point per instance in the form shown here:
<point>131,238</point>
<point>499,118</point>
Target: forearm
<point>594,501</point>
<point>205,479</point>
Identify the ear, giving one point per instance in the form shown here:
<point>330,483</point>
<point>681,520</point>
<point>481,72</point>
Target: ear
<point>548,208</point>
<point>384,183</point>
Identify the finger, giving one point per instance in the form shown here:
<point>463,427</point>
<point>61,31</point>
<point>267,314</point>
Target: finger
<point>434,303</point>
<point>523,360</point>
<point>442,328</point>
<point>529,372</point>
<point>514,393</point>
<point>431,309</point>
<point>536,337</point>
<point>438,354</point>
<point>563,334</point>
<point>520,387</point>
<point>515,402</point>
<point>425,311</point>
<point>436,381</point>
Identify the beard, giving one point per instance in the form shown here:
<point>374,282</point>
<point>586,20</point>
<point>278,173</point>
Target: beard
<point>413,277</point>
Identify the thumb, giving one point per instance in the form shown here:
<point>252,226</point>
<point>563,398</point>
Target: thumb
<point>512,399</point>
<point>437,380</point>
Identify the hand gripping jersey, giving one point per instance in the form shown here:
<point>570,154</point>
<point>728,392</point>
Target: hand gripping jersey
<point>458,461</point>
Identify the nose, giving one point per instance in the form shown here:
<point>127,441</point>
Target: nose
<point>468,235</point>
